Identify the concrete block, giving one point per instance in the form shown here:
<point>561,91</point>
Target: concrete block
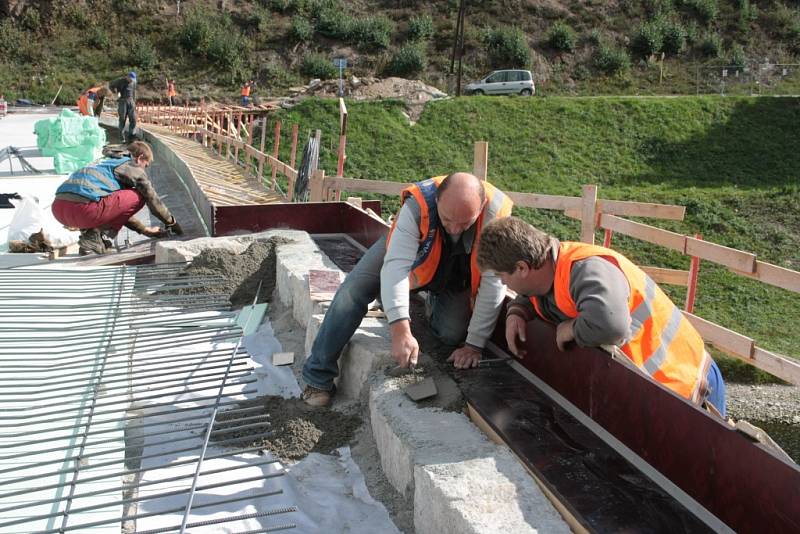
<point>482,495</point>
<point>408,435</point>
<point>369,350</point>
<point>460,481</point>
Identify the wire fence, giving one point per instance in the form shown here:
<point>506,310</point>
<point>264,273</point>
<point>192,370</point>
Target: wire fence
<point>749,79</point>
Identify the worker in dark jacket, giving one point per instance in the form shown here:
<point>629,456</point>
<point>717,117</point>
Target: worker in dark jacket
<point>125,88</point>
<point>103,197</point>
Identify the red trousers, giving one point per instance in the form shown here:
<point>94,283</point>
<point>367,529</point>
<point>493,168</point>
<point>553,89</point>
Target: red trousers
<point>108,213</point>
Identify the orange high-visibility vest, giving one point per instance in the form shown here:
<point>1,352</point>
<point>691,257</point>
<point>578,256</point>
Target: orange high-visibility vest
<point>430,248</point>
<point>663,343</point>
<point>246,90</point>
<point>83,100</point>
<point>171,89</point>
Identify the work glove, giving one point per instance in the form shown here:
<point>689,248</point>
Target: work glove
<point>174,227</point>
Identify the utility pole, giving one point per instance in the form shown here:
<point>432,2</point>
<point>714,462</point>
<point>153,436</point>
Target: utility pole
<point>458,45</point>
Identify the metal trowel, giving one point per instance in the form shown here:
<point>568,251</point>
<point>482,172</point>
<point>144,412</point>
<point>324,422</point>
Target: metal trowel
<point>420,389</point>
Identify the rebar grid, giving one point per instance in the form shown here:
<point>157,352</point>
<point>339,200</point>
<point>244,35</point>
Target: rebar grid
<point>86,355</point>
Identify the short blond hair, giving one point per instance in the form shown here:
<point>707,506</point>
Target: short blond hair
<point>140,148</point>
<point>508,240</point>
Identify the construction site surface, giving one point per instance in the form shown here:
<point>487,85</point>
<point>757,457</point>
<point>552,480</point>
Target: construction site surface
<point>156,388</point>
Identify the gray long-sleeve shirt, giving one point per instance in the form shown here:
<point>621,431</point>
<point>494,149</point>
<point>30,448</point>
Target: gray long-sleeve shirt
<point>397,264</point>
<point>600,291</point>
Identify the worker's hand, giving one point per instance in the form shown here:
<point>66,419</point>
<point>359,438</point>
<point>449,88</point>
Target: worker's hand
<point>405,349</point>
<point>515,335</point>
<point>565,333</point>
<point>174,227</point>
<point>154,231</point>
<point>465,357</point>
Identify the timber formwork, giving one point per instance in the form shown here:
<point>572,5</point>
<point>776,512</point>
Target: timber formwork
<point>223,181</point>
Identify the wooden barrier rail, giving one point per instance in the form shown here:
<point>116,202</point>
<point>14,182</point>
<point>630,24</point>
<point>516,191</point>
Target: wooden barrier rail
<point>592,212</point>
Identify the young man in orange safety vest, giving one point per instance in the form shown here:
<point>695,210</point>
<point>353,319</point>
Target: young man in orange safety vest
<point>432,245</point>
<point>596,296</point>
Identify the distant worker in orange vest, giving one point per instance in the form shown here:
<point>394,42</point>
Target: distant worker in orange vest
<point>246,88</point>
<point>90,102</point>
<point>597,296</point>
<point>171,92</point>
<point>432,246</point>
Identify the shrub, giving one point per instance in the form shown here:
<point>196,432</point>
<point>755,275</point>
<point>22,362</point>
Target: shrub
<point>692,33</point>
<point>11,38</point>
<point>142,54</point>
<point>195,32</point>
<point>737,57</point>
<point>648,39</point>
<point>562,37</point>
<point>228,48</point>
<point>371,32</point>
<point>711,46</point>
<point>611,60</point>
<point>318,66</point>
<point>674,38</point>
<point>507,47</point>
<point>420,28</point>
<point>408,59</point>
<point>334,23</point>
<point>706,10</point>
<point>280,6</point>
<point>98,38</point>
<point>301,29</point>
<point>31,20</point>
<point>748,12</point>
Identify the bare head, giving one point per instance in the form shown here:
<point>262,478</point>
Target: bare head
<point>519,254</point>
<point>141,153</point>
<point>459,200</point>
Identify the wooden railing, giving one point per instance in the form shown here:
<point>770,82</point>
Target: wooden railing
<point>594,214</point>
<point>227,137</point>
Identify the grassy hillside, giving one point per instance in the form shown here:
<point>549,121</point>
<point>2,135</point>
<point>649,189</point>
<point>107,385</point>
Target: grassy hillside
<point>573,46</point>
<point>733,162</point>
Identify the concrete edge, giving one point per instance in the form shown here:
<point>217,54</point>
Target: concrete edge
<point>459,481</point>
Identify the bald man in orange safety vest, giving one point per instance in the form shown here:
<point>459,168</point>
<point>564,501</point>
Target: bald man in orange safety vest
<point>597,297</point>
<point>431,246</point>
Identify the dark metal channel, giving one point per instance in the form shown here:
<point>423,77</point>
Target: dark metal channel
<point>344,253</point>
<point>311,217</point>
<point>601,489</point>
<point>745,486</point>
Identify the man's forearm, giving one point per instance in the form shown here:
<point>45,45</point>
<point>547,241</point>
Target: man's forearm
<point>488,303</point>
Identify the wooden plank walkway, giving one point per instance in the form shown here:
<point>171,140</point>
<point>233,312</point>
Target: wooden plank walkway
<point>223,182</point>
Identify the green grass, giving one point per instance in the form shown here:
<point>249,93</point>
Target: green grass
<point>733,162</point>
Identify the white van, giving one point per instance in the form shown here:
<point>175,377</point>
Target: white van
<point>503,82</point>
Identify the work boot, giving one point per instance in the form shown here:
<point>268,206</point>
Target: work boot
<point>90,241</point>
<point>318,398</point>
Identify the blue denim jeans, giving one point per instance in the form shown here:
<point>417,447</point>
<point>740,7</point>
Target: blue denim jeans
<point>716,388</point>
<point>449,317</point>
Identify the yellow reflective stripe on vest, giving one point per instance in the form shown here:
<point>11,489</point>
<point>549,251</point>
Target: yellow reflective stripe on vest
<point>658,357</point>
<point>644,310</point>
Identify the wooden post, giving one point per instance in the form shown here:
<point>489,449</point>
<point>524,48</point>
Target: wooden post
<point>293,156</point>
<point>238,123</point>
<point>691,291</point>
<point>341,154</point>
<point>480,165</point>
<point>260,171</point>
<point>316,185</point>
<point>228,137</point>
<point>588,213</point>
<point>275,147</point>
<point>247,164</point>
<point>607,238</point>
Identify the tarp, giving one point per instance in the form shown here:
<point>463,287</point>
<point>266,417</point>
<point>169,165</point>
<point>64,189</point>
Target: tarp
<point>72,140</point>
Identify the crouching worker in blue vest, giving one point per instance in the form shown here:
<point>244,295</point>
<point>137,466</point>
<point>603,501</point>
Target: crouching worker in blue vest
<point>431,246</point>
<point>102,198</point>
